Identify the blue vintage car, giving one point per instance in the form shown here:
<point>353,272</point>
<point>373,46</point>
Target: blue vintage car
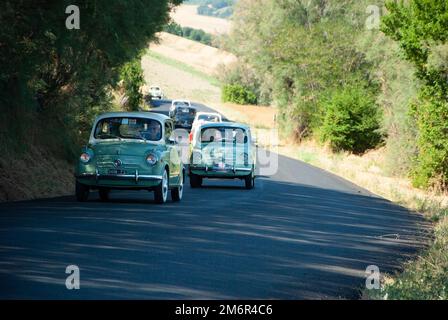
<point>132,151</point>
<point>222,150</point>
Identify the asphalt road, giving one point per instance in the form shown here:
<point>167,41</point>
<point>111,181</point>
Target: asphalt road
<point>302,233</point>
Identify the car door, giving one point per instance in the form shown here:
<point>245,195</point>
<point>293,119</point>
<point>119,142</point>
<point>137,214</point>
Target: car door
<point>174,161</point>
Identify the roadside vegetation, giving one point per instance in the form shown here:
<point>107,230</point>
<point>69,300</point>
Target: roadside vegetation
<point>190,33</point>
<point>53,80</point>
<point>214,8</point>
<point>341,77</point>
<point>131,75</point>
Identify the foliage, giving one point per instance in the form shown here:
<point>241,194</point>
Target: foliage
<point>216,8</point>
<point>241,73</point>
<point>421,29</point>
<point>198,35</point>
<point>132,76</point>
<point>301,50</point>
<point>58,76</point>
<point>238,94</point>
<point>351,121</point>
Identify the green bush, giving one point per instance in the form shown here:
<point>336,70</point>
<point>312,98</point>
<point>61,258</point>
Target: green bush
<point>198,35</point>
<point>351,121</point>
<point>53,80</point>
<point>238,94</point>
<point>431,165</point>
<point>132,76</point>
<point>420,28</point>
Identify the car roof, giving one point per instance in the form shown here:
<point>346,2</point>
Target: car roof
<point>225,124</point>
<point>180,100</point>
<point>142,114</point>
<point>187,107</point>
<point>207,113</point>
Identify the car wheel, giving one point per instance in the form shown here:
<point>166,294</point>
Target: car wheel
<point>82,192</point>
<point>104,194</point>
<point>249,181</point>
<point>161,192</point>
<point>195,180</point>
<point>176,193</point>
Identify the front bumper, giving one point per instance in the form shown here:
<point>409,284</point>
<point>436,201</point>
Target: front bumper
<point>228,172</point>
<point>117,180</point>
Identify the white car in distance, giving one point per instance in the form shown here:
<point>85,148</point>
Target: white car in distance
<point>204,117</point>
<point>156,92</point>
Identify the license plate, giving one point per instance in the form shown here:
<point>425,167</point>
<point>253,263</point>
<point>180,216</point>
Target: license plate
<point>116,172</point>
<point>185,110</point>
<point>220,166</point>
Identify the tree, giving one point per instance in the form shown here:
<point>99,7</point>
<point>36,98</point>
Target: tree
<point>132,76</point>
<point>300,50</point>
<point>421,29</point>
<point>60,75</point>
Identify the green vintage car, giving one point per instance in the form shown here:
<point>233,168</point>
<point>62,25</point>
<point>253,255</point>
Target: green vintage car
<point>132,151</point>
<point>222,150</point>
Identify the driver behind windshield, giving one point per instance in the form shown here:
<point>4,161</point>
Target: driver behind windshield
<point>128,128</point>
<point>154,131</point>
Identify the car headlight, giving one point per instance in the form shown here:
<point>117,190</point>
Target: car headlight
<point>85,157</point>
<point>151,159</point>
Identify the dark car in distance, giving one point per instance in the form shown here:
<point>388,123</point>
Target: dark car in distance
<point>183,117</point>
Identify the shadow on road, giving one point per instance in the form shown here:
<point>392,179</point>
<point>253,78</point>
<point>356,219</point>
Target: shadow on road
<point>280,240</point>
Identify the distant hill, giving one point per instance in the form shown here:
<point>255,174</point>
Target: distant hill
<point>214,8</point>
<point>186,16</point>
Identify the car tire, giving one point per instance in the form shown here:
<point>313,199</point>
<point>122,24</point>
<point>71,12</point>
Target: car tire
<point>177,193</point>
<point>104,194</point>
<point>249,181</point>
<point>82,192</point>
<point>195,180</point>
<point>161,191</point>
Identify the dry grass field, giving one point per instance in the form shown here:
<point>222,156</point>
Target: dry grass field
<point>186,16</point>
<point>176,82</point>
<point>197,55</point>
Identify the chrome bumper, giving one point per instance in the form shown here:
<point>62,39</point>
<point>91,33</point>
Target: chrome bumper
<point>213,169</point>
<point>136,177</point>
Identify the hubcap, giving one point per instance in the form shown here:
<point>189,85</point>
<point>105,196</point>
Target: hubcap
<point>165,186</point>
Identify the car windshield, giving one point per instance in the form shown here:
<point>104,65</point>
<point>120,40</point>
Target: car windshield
<point>181,103</point>
<point>128,128</point>
<point>223,134</point>
<point>208,117</point>
<point>184,111</point>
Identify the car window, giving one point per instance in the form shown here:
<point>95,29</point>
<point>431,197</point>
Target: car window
<point>223,134</point>
<point>185,111</point>
<point>209,118</point>
<point>128,128</point>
